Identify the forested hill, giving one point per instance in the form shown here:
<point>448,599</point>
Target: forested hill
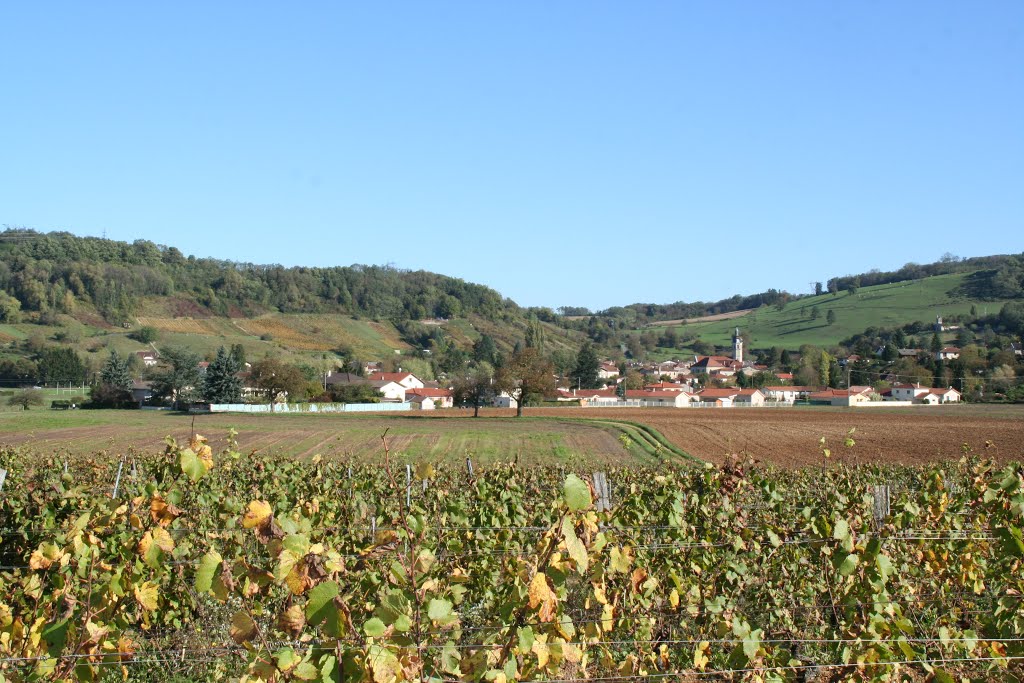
<point>59,272</point>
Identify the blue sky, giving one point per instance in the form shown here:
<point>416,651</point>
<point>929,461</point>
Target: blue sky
<point>571,153</point>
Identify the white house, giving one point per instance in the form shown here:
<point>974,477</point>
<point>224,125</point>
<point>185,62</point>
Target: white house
<point>787,393</point>
<point>390,391</point>
<point>749,397</point>
<point>428,398</point>
<point>907,392</point>
<point>148,358</point>
<point>947,353</point>
<point>503,400</point>
<point>940,395</point>
<point>608,370</point>
<point>406,379</point>
<point>660,399</point>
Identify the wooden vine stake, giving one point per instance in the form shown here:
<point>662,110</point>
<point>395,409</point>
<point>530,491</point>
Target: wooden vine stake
<point>881,508</point>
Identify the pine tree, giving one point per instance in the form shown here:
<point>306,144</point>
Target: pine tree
<point>221,384</point>
<point>585,374</point>
<point>116,374</point>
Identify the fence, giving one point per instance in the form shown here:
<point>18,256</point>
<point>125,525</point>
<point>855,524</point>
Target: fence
<point>300,407</point>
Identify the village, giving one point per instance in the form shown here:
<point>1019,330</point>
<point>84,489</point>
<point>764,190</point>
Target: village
<point>699,382</point>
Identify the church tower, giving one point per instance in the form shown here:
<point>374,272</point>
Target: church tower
<point>737,346</point>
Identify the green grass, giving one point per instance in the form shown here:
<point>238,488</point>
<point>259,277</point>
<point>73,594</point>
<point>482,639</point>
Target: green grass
<point>890,306</point>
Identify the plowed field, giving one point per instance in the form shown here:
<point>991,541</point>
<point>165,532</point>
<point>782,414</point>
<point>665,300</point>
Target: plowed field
<point>789,437</point>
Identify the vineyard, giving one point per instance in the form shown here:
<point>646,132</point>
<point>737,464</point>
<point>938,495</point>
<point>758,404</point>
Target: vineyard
<point>195,565</point>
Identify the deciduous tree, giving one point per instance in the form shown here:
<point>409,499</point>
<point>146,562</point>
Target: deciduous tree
<point>526,373</point>
<point>275,378</point>
<point>26,398</point>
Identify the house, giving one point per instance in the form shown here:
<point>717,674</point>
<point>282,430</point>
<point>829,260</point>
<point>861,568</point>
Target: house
<point>940,395</point>
<point>907,392</point>
<point>586,394</point>
<point>147,358</point>
<point>406,379</point>
<point>784,376</point>
<point>666,386</point>
<point>607,370</point>
<point>947,353</point>
<point>429,399</point>
<point>844,397</point>
<point>787,393</point>
<point>504,400</point>
<point>203,367</point>
<point>716,365</point>
<point>141,391</point>
<point>1018,349</point>
<point>924,395</point>
<point>751,398</point>
<point>390,391</point>
<point>730,396</point>
<point>659,399</point>
<point>909,353</point>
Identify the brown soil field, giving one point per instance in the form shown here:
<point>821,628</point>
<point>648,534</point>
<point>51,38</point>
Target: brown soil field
<point>789,437</point>
<point>782,437</point>
<point>703,319</point>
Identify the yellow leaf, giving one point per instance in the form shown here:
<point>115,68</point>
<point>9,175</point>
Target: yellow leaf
<point>163,539</point>
<point>542,597</point>
<point>45,555</point>
<point>258,512</point>
<point>540,648</point>
<point>147,595</point>
<point>608,618</point>
<point>700,655</point>
<point>162,512</point>
<point>673,598</point>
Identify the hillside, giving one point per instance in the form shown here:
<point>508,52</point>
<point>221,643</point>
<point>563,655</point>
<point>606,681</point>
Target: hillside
<point>883,306</point>
<point>94,295</point>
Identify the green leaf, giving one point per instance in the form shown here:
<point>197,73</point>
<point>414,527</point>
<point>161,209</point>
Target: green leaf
<point>319,599</point>
<point>752,643</point>
<point>439,610</point>
<point>885,568</point>
<point>286,659</point>
<point>1011,539</point>
<point>574,546</point>
<point>525,639</point>
<point>374,628</point>
<point>306,672</point>
<point>848,565</point>
<point>450,659</point>
<point>941,676</point>
<point>207,568</point>
<point>191,464</point>
<point>576,493</point>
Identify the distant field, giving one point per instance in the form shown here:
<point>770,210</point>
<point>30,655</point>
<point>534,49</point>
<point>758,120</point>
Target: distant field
<point>890,305</point>
<point>353,437</point>
<point>789,437</point>
<point>784,437</point>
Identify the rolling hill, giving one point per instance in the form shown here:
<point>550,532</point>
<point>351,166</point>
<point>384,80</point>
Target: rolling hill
<point>884,306</point>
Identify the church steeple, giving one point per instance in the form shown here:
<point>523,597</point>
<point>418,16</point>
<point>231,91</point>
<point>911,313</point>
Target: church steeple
<point>737,346</point>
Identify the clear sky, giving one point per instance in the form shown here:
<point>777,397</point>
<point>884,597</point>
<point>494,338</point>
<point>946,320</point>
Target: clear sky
<point>564,153</point>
